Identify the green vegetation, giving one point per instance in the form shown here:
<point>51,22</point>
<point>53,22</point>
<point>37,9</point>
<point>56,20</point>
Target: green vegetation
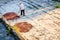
<point>57,5</point>
<point>56,0</point>
<point>0,19</point>
<point>9,31</point>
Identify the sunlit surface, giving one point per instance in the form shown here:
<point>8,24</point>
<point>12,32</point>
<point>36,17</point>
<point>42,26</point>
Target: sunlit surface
<point>33,10</point>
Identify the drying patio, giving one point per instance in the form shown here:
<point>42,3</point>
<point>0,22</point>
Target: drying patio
<point>41,14</point>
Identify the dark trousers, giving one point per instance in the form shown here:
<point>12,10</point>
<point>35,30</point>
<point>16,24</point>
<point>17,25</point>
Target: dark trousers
<point>23,12</point>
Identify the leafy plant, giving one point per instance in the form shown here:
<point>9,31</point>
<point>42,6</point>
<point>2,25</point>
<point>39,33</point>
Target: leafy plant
<point>0,19</point>
<point>57,5</point>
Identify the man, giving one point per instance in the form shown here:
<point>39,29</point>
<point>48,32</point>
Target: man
<point>22,9</point>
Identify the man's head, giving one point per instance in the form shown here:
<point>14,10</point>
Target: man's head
<point>20,3</point>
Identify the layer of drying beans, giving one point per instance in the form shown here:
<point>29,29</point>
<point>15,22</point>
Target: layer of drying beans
<point>11,16</point>
<point>23,26</point>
